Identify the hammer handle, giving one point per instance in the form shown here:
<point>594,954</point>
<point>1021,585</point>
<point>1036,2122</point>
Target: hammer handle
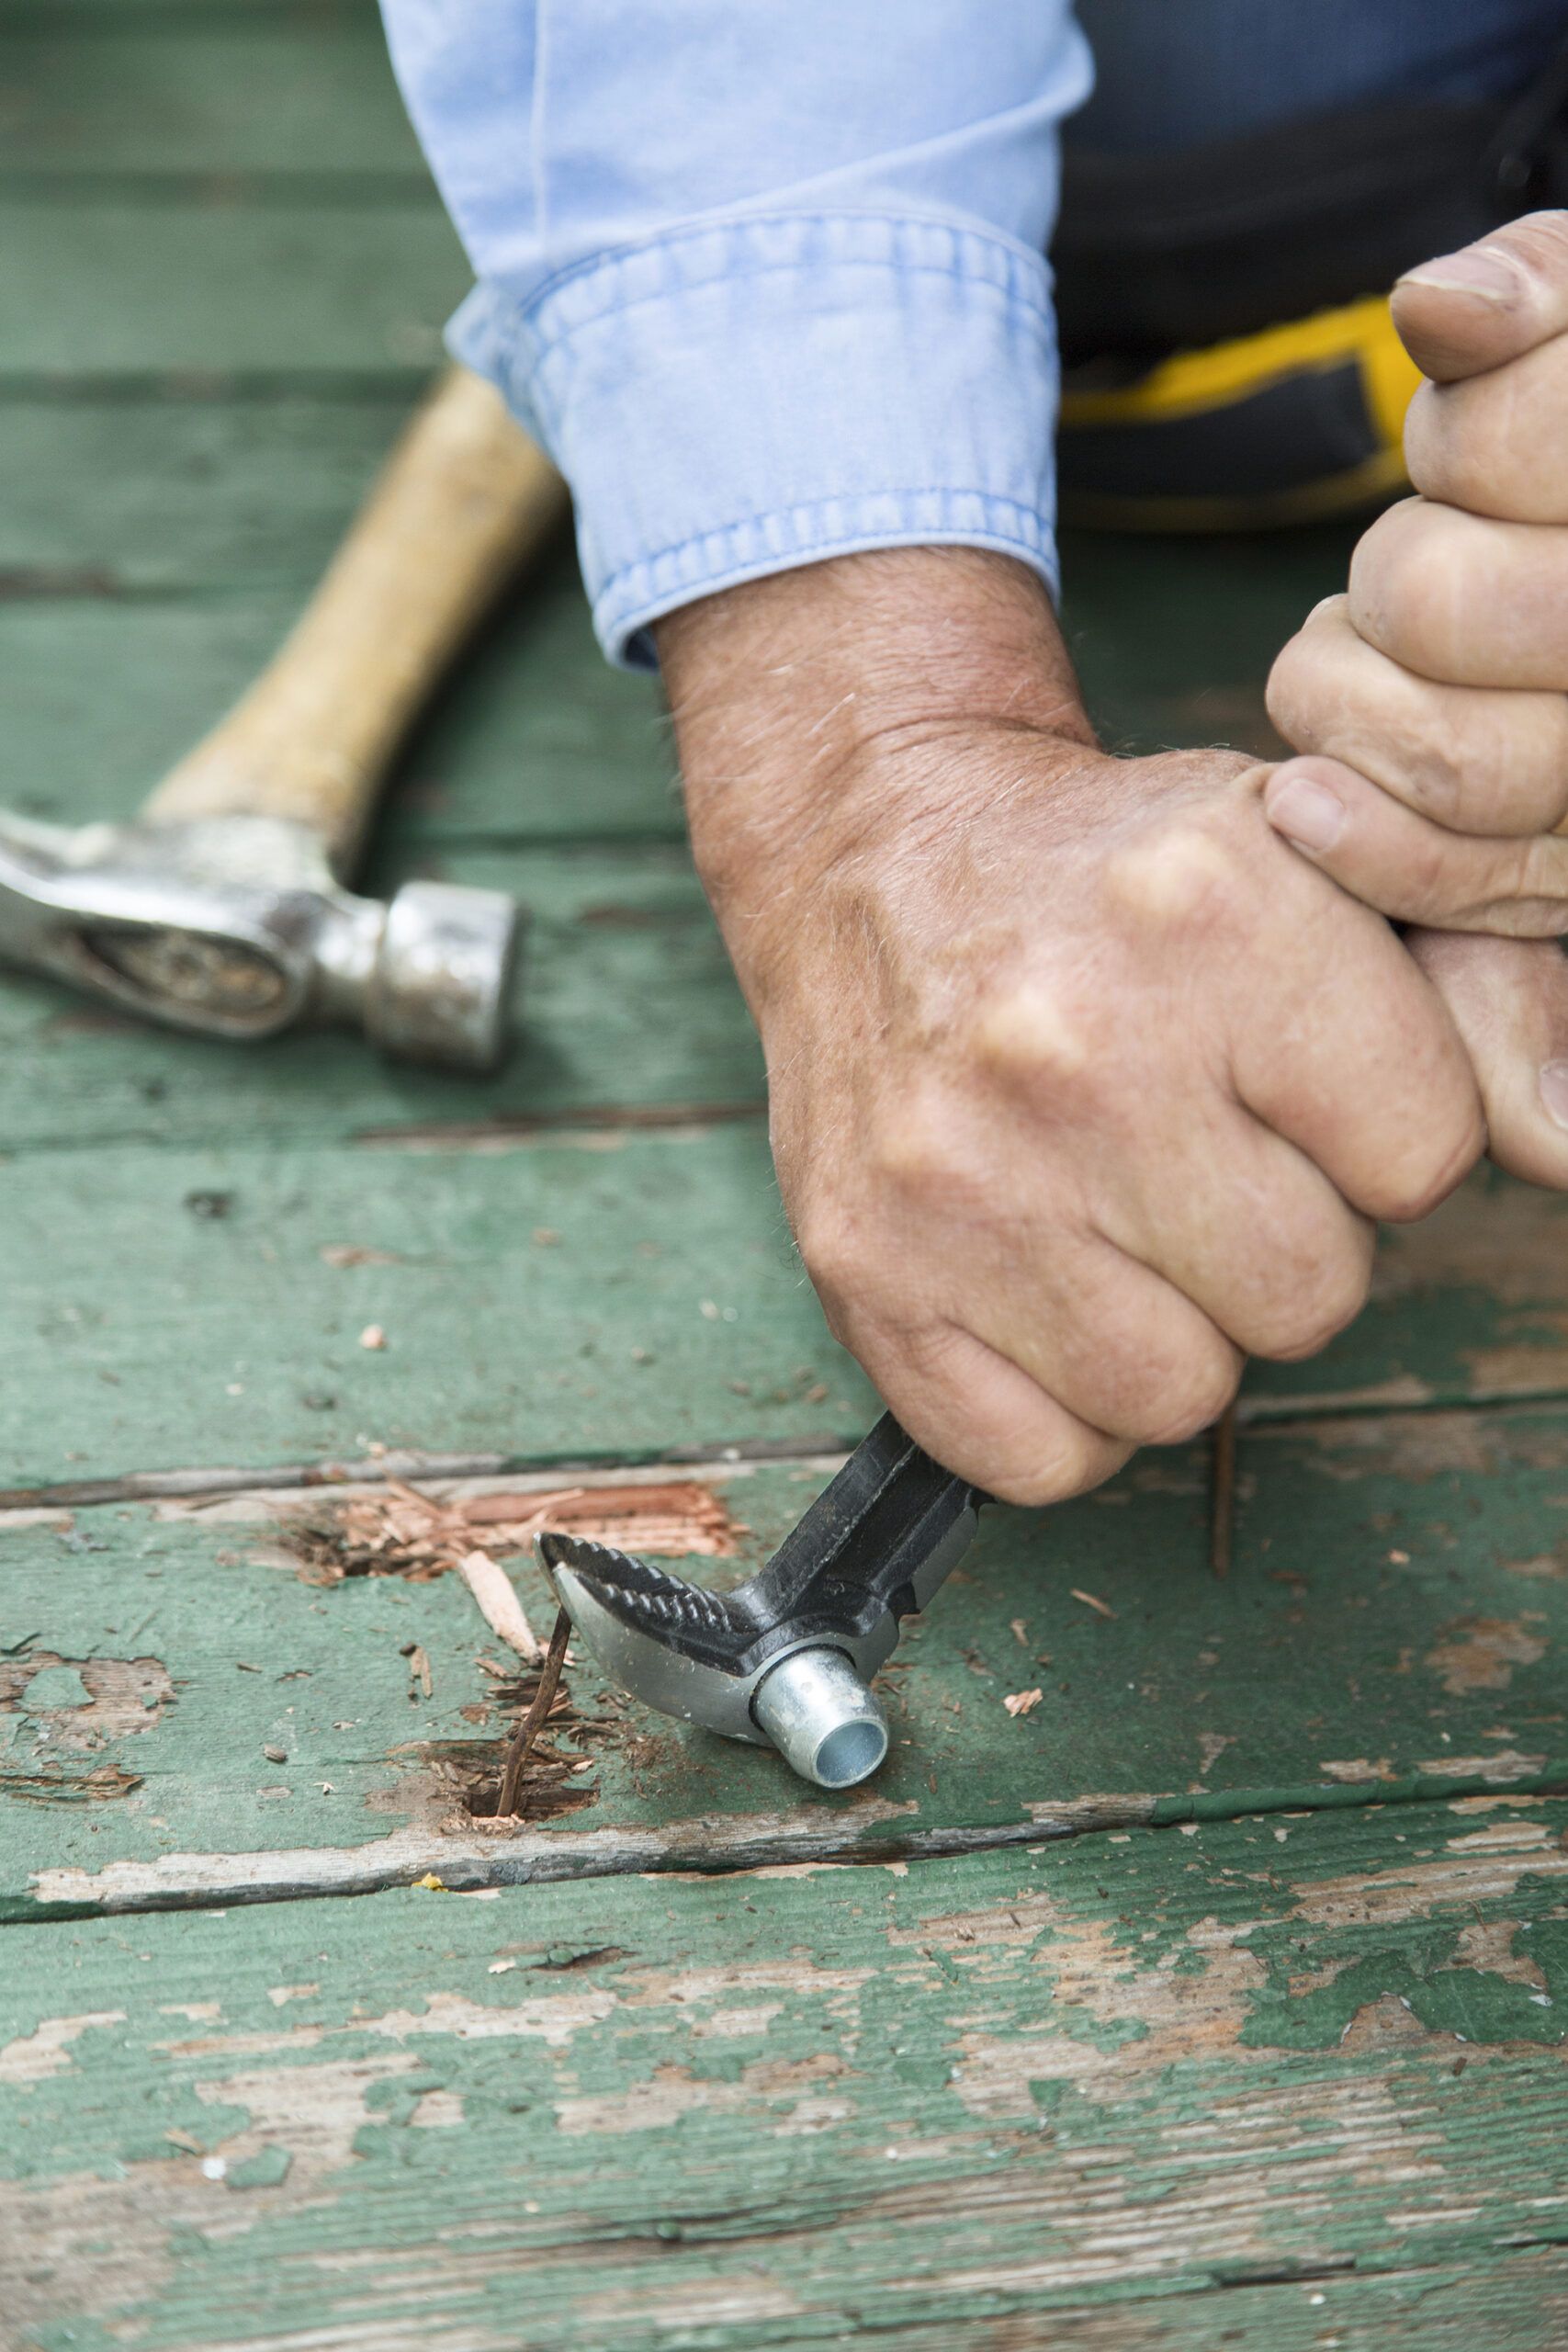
<point>463,500</point>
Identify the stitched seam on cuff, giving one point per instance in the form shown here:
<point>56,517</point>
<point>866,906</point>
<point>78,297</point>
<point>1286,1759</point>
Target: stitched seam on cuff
<point>1012,252</point>
<point>740,259</point>
<point>796,523</point>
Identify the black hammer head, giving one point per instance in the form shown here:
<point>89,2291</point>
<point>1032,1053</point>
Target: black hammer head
<point>787,1657</point>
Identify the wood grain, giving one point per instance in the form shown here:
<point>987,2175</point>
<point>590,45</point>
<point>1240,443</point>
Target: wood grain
<point>1126,2091</point>
<point>1395,1625</point>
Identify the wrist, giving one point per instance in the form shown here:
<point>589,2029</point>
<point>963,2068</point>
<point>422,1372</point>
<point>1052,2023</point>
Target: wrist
<point>814,711</point>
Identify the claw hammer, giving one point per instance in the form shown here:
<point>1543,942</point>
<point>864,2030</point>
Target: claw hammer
<point>222,907</point>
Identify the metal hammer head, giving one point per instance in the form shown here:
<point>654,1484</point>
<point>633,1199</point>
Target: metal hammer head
<point>786,1659</point>
<point>236,927</point>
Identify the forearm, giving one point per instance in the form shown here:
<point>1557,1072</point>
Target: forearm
<point>786,691</point>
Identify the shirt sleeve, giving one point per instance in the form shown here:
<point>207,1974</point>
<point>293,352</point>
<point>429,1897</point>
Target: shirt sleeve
<point>766,277</point>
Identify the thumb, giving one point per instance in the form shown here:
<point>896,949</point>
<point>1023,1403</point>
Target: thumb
<point>1509,999</point>
<point>1475,310</point>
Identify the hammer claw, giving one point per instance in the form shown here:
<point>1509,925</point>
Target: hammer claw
<point>785,1658</point>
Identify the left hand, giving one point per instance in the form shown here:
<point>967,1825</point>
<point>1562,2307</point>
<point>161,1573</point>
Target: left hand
<point>1432,700</point>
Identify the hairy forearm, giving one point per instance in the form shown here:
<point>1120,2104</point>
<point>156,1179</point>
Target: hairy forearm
<point>786,693</point>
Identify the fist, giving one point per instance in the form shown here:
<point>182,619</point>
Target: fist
<point>1432,699</point>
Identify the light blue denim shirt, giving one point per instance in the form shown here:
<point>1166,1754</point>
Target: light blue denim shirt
<point>767,281</point>
<point>766,276</point>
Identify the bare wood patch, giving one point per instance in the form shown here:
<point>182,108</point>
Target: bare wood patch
<point>404,1532</point>
<point>1481,1653</point>
<point>121,1696</point>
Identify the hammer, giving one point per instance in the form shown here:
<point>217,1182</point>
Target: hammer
<point>223,907</point>
<point>786,1660</point>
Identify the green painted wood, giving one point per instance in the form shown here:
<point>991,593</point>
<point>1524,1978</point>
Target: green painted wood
<point>108,495</point>
<point>1174,638</point>
<point>129,1317</point>
<point>534,740</point>
<point>309,19</point>
<point>103,288</point>
<point>623,1004</point>
<point>222,99</point>
<point>1300,2072</point>
<point>1395,1625</point>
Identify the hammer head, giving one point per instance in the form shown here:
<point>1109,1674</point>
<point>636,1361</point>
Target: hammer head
<point>236,927</point>
<point>785,1659</point>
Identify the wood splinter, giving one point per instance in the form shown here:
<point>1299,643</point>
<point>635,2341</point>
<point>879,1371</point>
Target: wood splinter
<point>528,1730</point>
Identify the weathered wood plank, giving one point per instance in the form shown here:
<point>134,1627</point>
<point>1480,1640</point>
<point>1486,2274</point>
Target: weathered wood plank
<point>149,1332</point>
<point>93,97</point>
<point>534,740</point>
<point>101,496</point>
<point>1395,1624</point>
<point>106,290</point>
<point>1314,2064</point>
<point>543,1302</point>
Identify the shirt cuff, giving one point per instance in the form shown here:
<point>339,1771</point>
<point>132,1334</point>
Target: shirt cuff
<point>734,399</point>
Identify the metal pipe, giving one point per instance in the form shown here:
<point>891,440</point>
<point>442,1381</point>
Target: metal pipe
<point>822,1718</point>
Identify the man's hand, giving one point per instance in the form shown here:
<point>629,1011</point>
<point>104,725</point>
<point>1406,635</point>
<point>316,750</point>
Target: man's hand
<point>1433,697</point>
<point>1083,1083</point>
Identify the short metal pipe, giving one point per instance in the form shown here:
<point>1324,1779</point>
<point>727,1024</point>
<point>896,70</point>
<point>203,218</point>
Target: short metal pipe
<point>822,1718</point>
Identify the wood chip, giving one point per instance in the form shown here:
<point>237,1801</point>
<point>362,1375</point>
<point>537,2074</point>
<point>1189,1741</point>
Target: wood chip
<point>1022,1702</point>
<point>499,1605</point>
<point>1092,1600</point>
<point>419,1667</point>
<point>402,1533</point>
<point>1020,1632</point>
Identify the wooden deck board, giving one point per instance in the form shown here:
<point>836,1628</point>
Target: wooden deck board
<point>1116,2083</point>
<point>215,100</point>
<point>104,495</point>
<point>600,1293</point>
<point>1211,2001</point>
<point>1394,1624</point>
<point>535,740</point>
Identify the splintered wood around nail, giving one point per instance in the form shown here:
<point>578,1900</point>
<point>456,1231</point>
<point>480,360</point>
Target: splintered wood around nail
<point>400,1532</point>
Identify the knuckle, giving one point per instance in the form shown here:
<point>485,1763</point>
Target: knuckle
<point>1194,1397</point>
<point>1028,1033</point>
<point>915,1146</point>
<point>1538,241</point>
<point>1067,1464</point>
<point>1397,594</point>
<point>831,1251</point>
<point>1540,869</point>
<point>1317,1311</point>
<point>1429,884</point>
<point>1298,696</point>
<point>1424,1180</point>
<point>1177,873</point>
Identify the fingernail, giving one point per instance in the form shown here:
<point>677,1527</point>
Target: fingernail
<point>1305,810</point>
<point>1554,1090</point>
<point>1471,272</point>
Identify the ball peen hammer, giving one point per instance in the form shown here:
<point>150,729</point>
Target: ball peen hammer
<point>223,907</point>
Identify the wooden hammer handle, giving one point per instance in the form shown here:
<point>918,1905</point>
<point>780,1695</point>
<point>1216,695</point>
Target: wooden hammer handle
<point>463,499</point>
